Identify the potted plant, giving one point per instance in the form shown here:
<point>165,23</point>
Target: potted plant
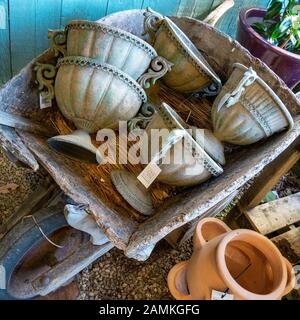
<point>273,35</point>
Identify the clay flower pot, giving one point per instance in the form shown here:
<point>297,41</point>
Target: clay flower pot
<point>191,73</point>
<point>247,109</point>
<point>286,64</point>
<point>241,262</point>
<point>96,95</point>
<point>106,44</point>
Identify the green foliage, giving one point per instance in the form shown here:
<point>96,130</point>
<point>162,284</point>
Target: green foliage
<point>281,24</point>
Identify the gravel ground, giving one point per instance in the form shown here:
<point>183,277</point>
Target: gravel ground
<point>25,181</point>
<point>114,276</point>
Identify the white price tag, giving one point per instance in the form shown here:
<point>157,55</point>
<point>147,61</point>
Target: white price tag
<point>45,102</point>
<point>149,174</point>
<point>219,295</point>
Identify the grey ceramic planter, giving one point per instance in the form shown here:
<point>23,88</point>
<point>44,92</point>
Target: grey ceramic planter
<point>96,95</point>
<point>191,73</point>
<point>247,109</point>
<point>107,44</point>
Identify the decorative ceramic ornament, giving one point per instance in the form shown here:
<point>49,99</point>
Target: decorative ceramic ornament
<point>96,95</point>
<point>247,109</point>
<point>191,73</point>
<point>199,164</point>
<point>195,165</point>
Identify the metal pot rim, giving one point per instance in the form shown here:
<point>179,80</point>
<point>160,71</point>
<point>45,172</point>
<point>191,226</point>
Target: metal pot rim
<point>189,49</point>
<point>270,91</point>
<point>92,63</point>
<point>117,32</point>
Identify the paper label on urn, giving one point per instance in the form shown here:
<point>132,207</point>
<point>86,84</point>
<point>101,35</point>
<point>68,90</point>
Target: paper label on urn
<point>219,295</point>
<point>149,174</point>
<point>45,102</point>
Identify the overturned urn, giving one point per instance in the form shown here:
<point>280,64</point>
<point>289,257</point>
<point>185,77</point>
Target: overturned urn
<point>181,159</point>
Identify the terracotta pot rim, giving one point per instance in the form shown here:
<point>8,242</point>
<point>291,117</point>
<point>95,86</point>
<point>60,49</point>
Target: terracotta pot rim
<point>243,15</point>
<point>232,283</point>
<point>172,281</point>
<point>199,240</point>
<point>117,32</point>
<point>181,37</point>
<point>270,91</point>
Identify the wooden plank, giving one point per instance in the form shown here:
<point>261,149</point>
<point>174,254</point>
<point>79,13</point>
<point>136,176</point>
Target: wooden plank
<point>202,9</point>
<point>289,244</point>
<point>216,14</point>
<point>167,8</point>
<point>22,32</point>
<point>36,200</point>
<point>24,124</point>
<point>82,9</point>
<point>5,66</point>
<point>228,23</point>
<point>10,141</point>
<point>47,17</point>
<point>120,5</point>
<point>184,233</point>
<point>268,179</point>
<point>194,8</point>
<point>274,215</point>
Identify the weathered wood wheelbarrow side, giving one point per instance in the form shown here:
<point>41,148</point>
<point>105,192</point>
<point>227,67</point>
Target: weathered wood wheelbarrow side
<point>20,96</point>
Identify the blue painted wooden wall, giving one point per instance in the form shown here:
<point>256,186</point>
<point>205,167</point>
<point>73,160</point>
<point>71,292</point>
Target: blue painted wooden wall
<point>24,23</point>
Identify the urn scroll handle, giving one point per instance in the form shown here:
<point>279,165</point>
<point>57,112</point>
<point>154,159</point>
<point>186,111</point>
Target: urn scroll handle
<point>58,39</point>
<point>234,96</point>
<point>152,22</point>
<point>159,66</point>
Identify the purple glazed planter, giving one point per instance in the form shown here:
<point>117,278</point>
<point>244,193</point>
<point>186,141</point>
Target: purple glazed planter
<point>282,62</point>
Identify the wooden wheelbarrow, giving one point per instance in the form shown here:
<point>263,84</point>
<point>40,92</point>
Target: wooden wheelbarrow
<point>137,239</point>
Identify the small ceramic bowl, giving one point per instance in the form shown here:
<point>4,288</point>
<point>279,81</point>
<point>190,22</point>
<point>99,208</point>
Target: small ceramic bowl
<point>247,109</point>
<point>191,73</point>
<point>96,95</point>
<point>110,45</point>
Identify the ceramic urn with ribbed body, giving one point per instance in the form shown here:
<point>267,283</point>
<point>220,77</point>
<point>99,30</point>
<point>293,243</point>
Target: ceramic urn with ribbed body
<point>198,156</point>
<point>107,44</point>
<point>96,95</point>
<point>247,109</point>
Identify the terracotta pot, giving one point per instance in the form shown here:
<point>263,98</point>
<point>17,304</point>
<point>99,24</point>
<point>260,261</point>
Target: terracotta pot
<point>247,109</point>
<point>96,95</point>
<point>191,73</point>
<point>286,64</point>
<point>241,262</point>
<point>199,162</point>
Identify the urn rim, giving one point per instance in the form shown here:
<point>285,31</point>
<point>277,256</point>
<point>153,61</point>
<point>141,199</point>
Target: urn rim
<point>190,50</point>
<point>92,63</point>
<point>116,32</point>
